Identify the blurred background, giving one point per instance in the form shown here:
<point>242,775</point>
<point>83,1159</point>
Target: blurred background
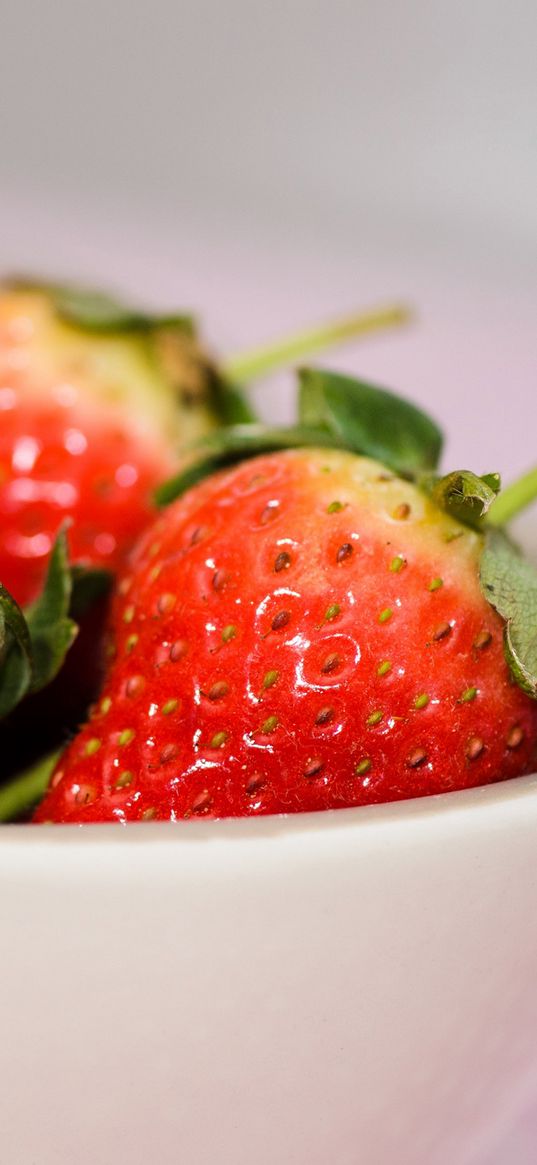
<point>270,165</point>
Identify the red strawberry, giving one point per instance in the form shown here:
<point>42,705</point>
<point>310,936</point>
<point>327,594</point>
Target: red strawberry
<point>303,631</point>
<point>94,402</point>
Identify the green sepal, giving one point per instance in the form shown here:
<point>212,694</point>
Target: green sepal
<point>24,792</point>
<point>97,312</point>
<point>509,583</point>
<point>465,496</point>
<point>230,402</point>
<point>335,412</point>
<point>227,446</point>
<point>370,420</point>
<point>51,630</point>
<point>34,642</point>
<point>15,653</point>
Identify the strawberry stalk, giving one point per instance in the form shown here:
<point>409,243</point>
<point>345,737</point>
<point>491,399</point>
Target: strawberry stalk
<point>514,498</point>
<point>266,359</point>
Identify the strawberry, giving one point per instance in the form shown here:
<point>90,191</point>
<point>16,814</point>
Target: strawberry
<point>310,630</point>
<point>94,402</point>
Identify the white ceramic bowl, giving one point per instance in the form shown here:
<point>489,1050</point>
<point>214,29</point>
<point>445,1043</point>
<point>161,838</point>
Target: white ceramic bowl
<point>354,986</point>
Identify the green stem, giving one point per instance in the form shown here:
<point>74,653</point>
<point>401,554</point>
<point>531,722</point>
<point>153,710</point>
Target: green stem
<point>261,361</point>
<point>513,499</point>
<point>19,797</point>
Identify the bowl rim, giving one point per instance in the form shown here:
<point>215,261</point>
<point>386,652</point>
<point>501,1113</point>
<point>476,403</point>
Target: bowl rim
<point>447,808</point>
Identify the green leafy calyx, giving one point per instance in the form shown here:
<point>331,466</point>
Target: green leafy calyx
<point>34,642</point>
<point>466,496</point>
<point>509,583</point>
<point>100,313</point>
<point>370,420</point>
<point>334,411</point>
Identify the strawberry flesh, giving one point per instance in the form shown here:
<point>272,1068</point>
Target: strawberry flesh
<point>63,461</point>
<point>301,632</point>
<point>89,425</point>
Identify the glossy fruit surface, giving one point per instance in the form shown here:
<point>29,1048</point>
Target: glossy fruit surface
<point>58,461</point>
<point>303,631</point>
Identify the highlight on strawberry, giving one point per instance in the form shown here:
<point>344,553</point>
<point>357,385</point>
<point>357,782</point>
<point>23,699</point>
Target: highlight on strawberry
<point>317,619</point>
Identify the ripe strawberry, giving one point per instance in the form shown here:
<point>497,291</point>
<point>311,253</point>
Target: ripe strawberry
<point>94,402</point>
<point>300,632</point>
